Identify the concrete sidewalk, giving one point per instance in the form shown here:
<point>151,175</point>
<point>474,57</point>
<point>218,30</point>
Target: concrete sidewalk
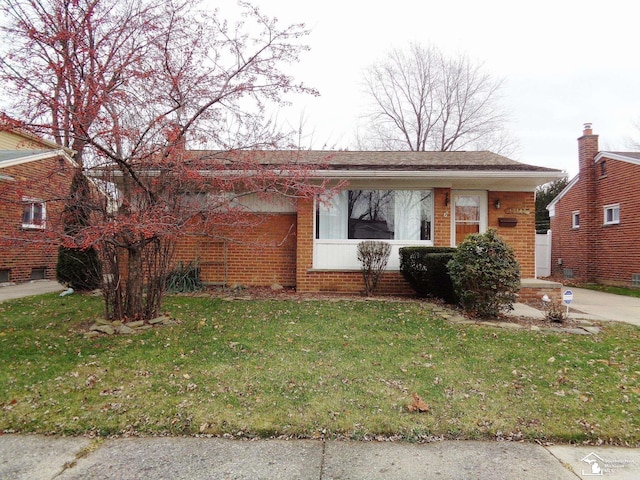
<point>35,287</point>
<point>36,457</point>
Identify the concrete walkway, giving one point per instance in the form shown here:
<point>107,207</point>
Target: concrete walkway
<point>36,457</point>
<point>592,305</point>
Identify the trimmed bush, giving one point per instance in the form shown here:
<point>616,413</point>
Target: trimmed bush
<point>485,274</point>
<point>425,268</point>
<point>373,257</point>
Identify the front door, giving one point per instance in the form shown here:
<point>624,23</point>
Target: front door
<point>469,214</point>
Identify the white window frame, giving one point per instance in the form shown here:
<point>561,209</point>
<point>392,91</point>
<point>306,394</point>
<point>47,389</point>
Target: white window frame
<point>341,253</point>
<point>575,219</point>
<point>615,214</point>
<point>31,202</point>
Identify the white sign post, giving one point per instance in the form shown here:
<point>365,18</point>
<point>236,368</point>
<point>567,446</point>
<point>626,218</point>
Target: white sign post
<point>567,298</point>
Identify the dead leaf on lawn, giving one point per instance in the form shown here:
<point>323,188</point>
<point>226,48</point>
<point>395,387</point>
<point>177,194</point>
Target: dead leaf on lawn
<point>418,404</point>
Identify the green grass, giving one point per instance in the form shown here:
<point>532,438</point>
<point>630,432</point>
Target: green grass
<point>311,368</point>
<point>627,291</point>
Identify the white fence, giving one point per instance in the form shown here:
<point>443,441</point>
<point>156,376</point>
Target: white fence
<point>543,254</point>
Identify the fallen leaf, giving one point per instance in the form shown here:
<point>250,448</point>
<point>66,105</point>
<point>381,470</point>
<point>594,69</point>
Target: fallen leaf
<point>418,404</point>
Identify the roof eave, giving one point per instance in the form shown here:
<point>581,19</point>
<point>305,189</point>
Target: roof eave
<point>39,156</point>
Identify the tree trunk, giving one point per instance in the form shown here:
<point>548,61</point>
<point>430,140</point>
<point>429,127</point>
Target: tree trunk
<point>134,285</point>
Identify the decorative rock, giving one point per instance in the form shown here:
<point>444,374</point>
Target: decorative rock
<point>92,334</point>
<point>102,321</point>
<point>509,325</point>
<point>592,330</point>
<point>276,287</point>
<point>535,328</point>
<point>135,324</point>
<point>108,329</point>
<point>125,330</point>
<point>578,331</point>
<point>144,327</point>
<point>158,320</point>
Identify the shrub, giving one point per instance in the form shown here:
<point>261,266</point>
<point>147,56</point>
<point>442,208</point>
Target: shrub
<point>79,269</point>
<point>184,278</point>
<point>485,274</point>
<point>373,257</point>
<point>554,311</point>
<point>425,268</point>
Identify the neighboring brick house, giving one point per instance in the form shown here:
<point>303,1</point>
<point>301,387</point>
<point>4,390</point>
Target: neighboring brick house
<point>404,198</point>
<point>35,177</point>
<point>595,220</point>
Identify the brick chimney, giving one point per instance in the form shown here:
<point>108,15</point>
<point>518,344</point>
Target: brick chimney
<point>587,151</point>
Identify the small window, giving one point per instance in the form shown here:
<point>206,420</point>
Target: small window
<point>5,275</point>
<point>575,219</point>
<point>635,279</point>
<point>603,168</point>
<point>38,273</point>
<point>612,214</point>
<point>33,213</point>
<point>567,272</point>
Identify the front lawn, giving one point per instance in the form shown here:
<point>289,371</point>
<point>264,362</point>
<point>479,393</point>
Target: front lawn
<point>312,368</point>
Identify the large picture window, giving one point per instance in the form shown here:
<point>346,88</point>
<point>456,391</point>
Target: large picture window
<point>376,215</point>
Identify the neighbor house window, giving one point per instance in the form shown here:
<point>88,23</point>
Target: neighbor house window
<point>575,219</point>
<point>33,213</point>
<point>376,215</point>
<point>603,168</point>
<point>611,214</point>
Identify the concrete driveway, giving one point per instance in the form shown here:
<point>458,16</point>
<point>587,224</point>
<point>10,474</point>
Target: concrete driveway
<point>600,306</point>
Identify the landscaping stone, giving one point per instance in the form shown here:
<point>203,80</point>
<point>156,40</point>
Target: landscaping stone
<point>161,319</point>
<point>509,325</point>
<point>135,324</point>
<point>592,330</point>
<point>125,330</point>
<point>108,329</point>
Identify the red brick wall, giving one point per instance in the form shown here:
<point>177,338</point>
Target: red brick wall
<point>22,250</point>
<point>260,255</point>
<point>521,206</point>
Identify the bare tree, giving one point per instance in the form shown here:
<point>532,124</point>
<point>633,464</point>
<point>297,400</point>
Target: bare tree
<point>423,100</point>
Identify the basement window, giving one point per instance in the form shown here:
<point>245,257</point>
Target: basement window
<point>612,214</point>
<point>5,275</point>
<point>635,279</point>
<point>38,273</point>
<point>567,272</point>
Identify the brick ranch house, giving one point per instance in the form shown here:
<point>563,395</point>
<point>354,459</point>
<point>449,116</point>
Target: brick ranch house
<point>35,177</point>
<point>595,220</point>
<point>404,198</point>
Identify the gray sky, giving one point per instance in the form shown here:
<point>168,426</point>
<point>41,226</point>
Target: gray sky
<point>564,63</point>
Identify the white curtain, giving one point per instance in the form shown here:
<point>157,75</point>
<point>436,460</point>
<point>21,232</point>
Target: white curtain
<point>407,215</point>
<point>333,222</point>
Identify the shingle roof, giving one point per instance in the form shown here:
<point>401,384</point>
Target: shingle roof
<point>388,161</point>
